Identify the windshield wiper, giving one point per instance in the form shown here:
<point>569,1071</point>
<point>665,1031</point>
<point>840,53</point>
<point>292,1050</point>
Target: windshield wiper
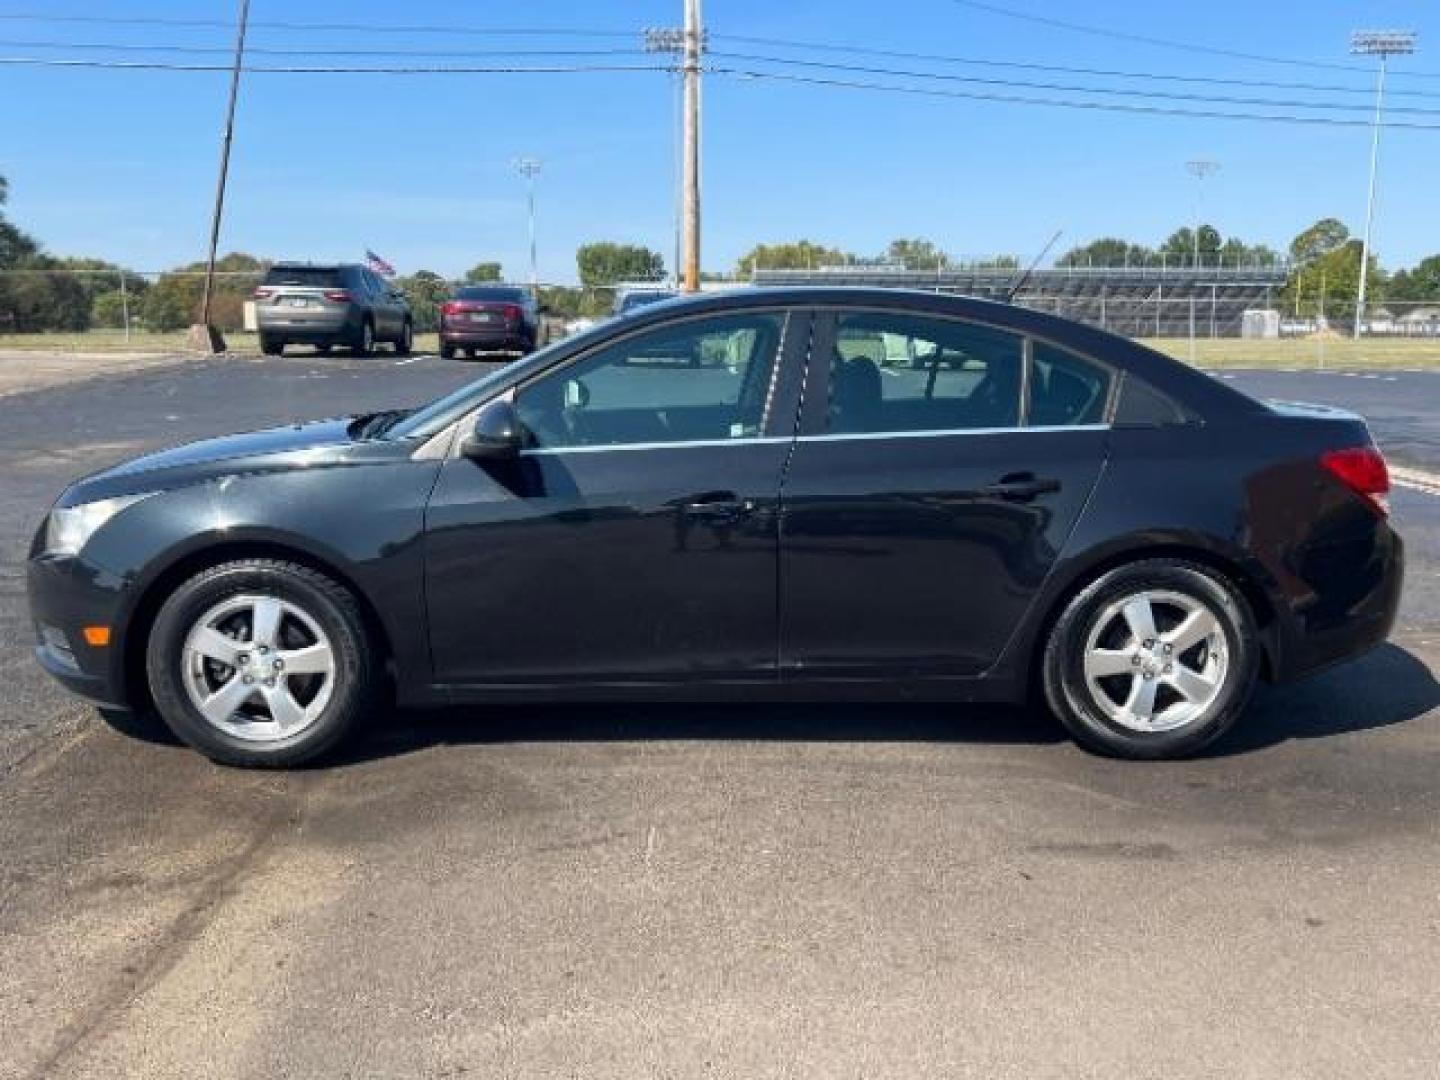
<point>374,425</point>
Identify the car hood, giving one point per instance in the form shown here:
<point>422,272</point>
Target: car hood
<point>319,443</point>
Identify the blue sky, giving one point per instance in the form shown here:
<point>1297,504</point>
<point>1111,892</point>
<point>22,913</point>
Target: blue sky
<point>121,164</point>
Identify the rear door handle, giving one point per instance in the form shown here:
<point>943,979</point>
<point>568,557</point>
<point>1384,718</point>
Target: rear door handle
<point>1021,487</point>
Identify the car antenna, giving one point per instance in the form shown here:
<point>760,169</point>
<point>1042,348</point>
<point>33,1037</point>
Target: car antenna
<point>1024,278</point>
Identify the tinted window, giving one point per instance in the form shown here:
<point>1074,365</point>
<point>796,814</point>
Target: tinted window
<point>1142,405</point>
<point>309,277</point>
<point>490,292</point>
<point>1065,389</point>
<point>904,373</point>
<point>631,301</point>
<point>702,380</point>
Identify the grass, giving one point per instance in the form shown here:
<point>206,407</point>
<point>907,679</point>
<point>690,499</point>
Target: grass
<point>1204,352</point>
<point>1303,352</point>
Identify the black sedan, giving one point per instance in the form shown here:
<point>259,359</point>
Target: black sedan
<point>827,493</point>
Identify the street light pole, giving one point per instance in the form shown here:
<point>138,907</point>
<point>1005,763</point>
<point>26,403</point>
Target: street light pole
<point>1200,169</point>
<point>210,335</point>
<point>529,168</point>
<point>1384,44</point>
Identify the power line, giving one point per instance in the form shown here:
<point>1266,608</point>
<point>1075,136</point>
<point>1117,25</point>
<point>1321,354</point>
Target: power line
<point>211,50</point>
<point>1157,95</point>
<point>1061,69</point>
<point>1144,39</point>
<point>1064,103</point>
<point>301,69</point>
<point>394,28</point>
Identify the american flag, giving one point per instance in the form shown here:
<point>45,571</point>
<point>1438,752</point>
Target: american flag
<point>377,264</point>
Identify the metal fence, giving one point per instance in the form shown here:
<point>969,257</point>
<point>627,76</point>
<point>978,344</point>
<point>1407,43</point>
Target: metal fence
<point>75,308</point>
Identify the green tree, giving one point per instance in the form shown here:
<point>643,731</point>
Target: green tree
<point>1333,279</point>
<point>1107,251</point>
<point>918,255</point>
<point>1325,236</point>
<point>175,300</point>
<point>606,263</point>
<point>1179,246</point>
<point>484,272</point>
<point>1420,283</point>
<point>426,291</point>
<point>798,255</point>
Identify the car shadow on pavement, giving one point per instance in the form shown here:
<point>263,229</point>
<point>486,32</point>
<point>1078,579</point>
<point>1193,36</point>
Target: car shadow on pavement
<point>1387,687</point>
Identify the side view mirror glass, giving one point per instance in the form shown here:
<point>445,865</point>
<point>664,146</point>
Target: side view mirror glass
<point>497,434</point>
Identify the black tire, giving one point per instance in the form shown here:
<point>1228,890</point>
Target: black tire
<point>331,607</point>
<point>364,343</point>
<point>406,340</point>
<point>271,347</point>
<point>1091,720</point>
<point>323,349</point>
<point>447,352</point>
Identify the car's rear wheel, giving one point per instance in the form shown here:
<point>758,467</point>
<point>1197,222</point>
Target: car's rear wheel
<point>406,340</point>
<point>323,349</point>
<point>260,662</point>
<point>365,343</point>
<point>1154,659</point>
<point>271,347</point>
<point>447,352</point>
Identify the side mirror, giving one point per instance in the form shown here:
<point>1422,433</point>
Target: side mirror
<point>497,435</point>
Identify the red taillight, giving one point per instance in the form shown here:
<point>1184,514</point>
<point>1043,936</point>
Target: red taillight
<point>512,312</point>
<point>450,307</point>
<point>262,294</point>
<point>1361,469</point>
<point>340,296</point>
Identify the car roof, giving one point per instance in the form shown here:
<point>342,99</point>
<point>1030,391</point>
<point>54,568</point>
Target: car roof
<point>1192,387</point>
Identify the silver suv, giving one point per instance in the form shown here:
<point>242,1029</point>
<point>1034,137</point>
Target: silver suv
<point>323,306</point>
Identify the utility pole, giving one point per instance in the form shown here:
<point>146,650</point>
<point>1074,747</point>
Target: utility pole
<point>205,335</point>
<point>529,168</point>
<point>689,42</point>
<point>1200,169</point>
<point>1384,44</point>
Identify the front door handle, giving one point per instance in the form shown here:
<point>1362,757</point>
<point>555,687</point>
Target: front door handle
<point>1021,487</point>
<point>719,507</point>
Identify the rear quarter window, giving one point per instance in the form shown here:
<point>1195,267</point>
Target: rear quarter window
<point>1141,405</point>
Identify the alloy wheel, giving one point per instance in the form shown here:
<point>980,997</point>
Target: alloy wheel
<point>1156,660</point>
<point>258,667</point>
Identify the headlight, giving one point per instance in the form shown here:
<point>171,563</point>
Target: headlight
<point>69,528</point>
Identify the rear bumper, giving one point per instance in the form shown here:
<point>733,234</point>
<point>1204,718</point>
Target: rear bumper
<point>1352,609</point>
<point>467,337</point>
<point>331,328</point>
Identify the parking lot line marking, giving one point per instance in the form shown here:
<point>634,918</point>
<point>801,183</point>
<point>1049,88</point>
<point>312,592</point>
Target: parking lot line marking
<point>1415,479</point>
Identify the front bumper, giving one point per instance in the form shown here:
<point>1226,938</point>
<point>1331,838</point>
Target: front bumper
<point>67,594</point>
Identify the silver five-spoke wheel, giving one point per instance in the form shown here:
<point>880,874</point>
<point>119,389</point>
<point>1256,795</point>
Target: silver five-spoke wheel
<point>258,667</point>
<point>1155,660</point>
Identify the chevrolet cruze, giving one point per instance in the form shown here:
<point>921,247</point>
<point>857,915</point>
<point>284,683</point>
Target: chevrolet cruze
<point>828,493</point>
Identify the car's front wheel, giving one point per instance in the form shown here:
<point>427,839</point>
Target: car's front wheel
<point>271,347</point>
<point>260,662</point>
<point>1154,659</point>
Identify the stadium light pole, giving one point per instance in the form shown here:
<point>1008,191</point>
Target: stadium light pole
<point>1200,168</point>
<point>529,168</point>
<point>1384,44</point>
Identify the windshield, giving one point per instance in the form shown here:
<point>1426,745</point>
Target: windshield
<point>634,300</point>
<point>314,277</point>
<point>494,292</point>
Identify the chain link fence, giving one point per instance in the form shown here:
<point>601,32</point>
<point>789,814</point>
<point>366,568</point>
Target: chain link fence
<point>79,310</point>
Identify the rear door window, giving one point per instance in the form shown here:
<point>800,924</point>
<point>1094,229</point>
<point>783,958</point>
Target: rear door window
<point>896,373</point>
<point>307,277</point>
<point>1066,390</point>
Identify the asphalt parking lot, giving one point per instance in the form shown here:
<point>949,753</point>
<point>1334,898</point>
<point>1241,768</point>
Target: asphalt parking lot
<point>732,891</point>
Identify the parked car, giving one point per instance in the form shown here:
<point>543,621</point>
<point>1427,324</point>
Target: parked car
<point>629,299</point>
<point>489,318</point>
<point>324,306</point>
<point>1045,508</point>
